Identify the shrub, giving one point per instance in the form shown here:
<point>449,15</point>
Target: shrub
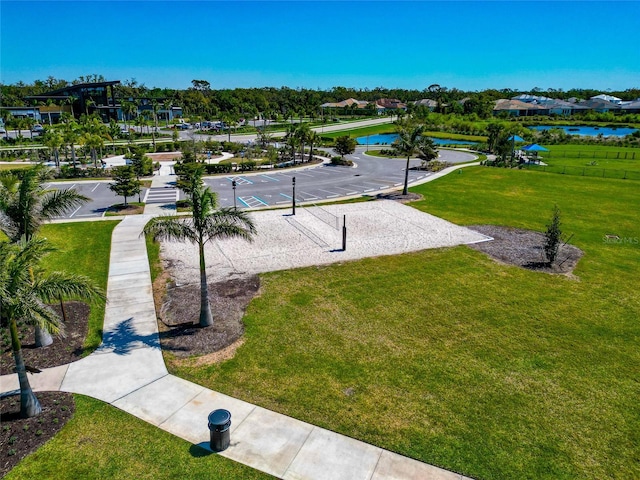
<point>553,236</point>
<point>341,161</point>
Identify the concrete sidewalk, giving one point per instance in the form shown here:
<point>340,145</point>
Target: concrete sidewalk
<point>128,371</point>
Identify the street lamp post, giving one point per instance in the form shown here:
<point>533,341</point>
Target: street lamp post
<point>293,182</point>
<point>233,184</point>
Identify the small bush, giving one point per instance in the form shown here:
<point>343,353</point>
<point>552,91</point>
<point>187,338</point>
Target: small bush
<point>341,161</point>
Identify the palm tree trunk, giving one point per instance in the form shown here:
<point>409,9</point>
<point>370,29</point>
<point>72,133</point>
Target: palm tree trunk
<point>406,178</point>
<point>29,404</point>
<point>206,319</point>
<point>43,337</point>
<point>73,156</point>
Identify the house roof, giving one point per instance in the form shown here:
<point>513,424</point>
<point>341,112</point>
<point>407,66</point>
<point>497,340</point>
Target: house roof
<point>427,102</point>
<point>608,98</point>
<point>510,104</point>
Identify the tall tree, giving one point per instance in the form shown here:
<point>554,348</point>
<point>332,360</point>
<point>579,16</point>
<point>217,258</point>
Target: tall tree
<point>345,145</point>
<point>125,183</point>
<point>54,140</point>
<point>410,142</point>
<point>25,291</point>
<point>207,223</point>
<point>302,133</point>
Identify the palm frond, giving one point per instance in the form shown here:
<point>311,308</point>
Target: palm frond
<point>229,223</point>
<point>59,284</point>
<point>171,228</point>
<point>58,202</point>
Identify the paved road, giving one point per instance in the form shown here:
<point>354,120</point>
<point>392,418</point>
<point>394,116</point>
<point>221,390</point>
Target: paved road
<point>189,134</point>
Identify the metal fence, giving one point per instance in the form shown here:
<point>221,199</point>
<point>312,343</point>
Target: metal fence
<point>591,154</point>
<point>586,171</point>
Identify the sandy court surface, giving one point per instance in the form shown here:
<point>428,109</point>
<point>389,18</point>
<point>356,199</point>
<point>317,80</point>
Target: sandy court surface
<point>314,237</point>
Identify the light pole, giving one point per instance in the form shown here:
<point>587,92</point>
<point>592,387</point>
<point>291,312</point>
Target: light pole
<point>233,184</point>
<point>293,182</point>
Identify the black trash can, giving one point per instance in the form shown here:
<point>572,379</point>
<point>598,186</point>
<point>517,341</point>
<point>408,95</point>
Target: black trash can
<point>219,425</point>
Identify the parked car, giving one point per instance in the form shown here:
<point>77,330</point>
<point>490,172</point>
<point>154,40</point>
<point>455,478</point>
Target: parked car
<point>37,128</point>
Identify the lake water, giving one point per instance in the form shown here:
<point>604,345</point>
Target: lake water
<point>584,131</point>
<point>389,138</point>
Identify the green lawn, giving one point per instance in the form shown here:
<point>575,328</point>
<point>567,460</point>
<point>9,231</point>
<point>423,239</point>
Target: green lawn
<point>390,128</point>
<point>83,248</point>
<point>592,159</point>
<point>102,442</point>
<point>451,358</point>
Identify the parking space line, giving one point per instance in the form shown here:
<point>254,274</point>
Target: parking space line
<point>270,178</point>
<point>286,196</point>
<point>74,212</point>
<point>311,197</point>
<point>240,180</point>
<point>94,188</point>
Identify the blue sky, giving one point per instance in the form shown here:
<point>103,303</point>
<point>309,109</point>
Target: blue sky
<point>457,44</point>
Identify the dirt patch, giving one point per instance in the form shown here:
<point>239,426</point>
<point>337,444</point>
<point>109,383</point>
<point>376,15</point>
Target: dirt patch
<point>524,248</point>
<point>21,436</point>
<point>399,197</point>
<point>63,350</point>
<point>165,156</point>
<point>179,314</point>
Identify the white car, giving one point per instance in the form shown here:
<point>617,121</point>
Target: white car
<point>37,128</point>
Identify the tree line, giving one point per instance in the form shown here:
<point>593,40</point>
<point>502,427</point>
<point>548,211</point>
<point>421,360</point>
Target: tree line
<point>201,99</point>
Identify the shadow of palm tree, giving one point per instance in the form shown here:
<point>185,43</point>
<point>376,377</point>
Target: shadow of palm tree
<point>125,338</point>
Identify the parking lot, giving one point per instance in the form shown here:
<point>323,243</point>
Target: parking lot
<point>313,184</point>
<point>99,193</point>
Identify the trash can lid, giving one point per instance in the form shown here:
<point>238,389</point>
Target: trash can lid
<point>219,417</point>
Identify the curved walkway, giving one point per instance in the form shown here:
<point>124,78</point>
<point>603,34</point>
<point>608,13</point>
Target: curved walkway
<point>128,371</point>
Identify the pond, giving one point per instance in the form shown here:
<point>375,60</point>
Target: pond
<point>585,131</point>
<point>389,138</point>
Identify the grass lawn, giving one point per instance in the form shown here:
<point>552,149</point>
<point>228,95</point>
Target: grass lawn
<point>593,159</point>
<point>103,442</point>
<point>451,358</point>
<point>83,248</point>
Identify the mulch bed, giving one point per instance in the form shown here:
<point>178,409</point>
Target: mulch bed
<point>179,315</point>
<point>63,350</point>
<point>524,248</point>
<point>399,197</point>
<point>21,436</point>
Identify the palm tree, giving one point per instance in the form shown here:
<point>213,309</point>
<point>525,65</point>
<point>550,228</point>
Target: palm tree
<point>207,223</point>
<point>314,139</point>
<point>155,108</point>
<point>24,292</point>
<point>167,105</point>
<point>70,101</point>
<point>93,141</point>
<point>70,136</point>
<point>411,142</point>
<point>54,140</point>
<point>302,133</point>
<point>26,205</point>
<point>292,139</point>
